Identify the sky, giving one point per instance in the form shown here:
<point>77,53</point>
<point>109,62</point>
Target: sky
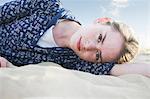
<point>135,13</point>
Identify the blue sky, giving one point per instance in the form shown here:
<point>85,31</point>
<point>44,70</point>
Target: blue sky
<point>135,13</point>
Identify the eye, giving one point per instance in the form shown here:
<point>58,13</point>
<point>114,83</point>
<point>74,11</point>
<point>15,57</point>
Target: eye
<point>97,55</point>
<point>99,38</point>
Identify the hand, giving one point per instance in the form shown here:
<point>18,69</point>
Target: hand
<point>3,62</point>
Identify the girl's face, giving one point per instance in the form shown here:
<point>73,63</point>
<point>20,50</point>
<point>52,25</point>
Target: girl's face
<point>97,43</point>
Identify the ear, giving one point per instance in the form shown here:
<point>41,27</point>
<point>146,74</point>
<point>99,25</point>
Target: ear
<point>103,20</point>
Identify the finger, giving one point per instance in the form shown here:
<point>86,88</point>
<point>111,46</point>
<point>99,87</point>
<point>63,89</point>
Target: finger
<point>3,62</point>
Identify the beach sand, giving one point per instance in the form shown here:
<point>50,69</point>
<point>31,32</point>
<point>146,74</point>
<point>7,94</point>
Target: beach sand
<point>143,57</point>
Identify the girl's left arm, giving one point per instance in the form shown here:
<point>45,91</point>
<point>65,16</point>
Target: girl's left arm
<point>94,68</point>
<point>131,68</point>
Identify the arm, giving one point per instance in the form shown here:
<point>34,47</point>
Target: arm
<point>131,68</point>
<point>17,9</point>
<point>68,59</point>
<point>93,68</point>
<point>62,56</point>
<point>71,61</point>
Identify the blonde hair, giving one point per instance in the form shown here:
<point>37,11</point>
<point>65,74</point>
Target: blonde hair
<point>131,45</point>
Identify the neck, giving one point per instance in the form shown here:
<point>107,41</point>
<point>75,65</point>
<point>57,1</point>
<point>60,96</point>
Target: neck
<point>63,32</point>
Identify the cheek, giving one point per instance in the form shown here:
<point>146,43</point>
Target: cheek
<point>89,34</point>
<point>88,56</point>
<point>73,40</point>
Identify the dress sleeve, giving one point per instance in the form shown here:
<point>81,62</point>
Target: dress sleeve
<point>17,9</point>
<point>93,68</point>
<point>68,59</point>
<point>64,57</point>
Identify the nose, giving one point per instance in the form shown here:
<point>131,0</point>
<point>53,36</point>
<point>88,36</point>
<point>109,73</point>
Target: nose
<point>89,45</point>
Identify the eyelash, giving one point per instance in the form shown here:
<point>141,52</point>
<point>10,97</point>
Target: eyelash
<point>97,55</point>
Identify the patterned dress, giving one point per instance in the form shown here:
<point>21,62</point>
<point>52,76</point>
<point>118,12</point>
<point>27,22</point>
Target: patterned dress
<point>23,22</point>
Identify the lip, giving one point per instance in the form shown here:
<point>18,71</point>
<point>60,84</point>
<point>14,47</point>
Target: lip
<point>79,43</point>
